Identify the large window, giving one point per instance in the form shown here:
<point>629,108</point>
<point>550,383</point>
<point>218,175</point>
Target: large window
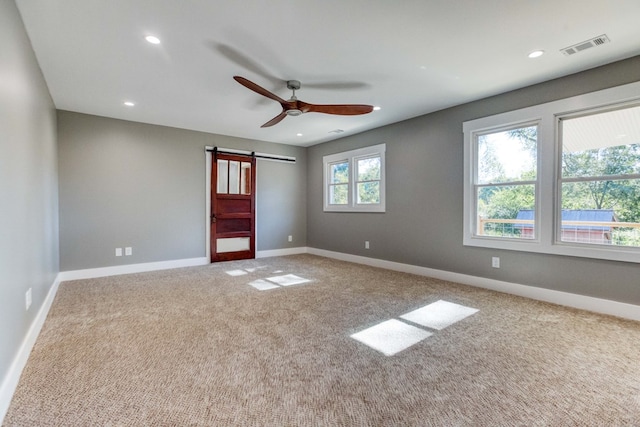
<point>600,177</point>
<point>560,178</point>
<point>505,182</point>
<point>354,180</point>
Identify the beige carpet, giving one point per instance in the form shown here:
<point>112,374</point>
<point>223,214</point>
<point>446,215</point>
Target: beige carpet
<point>199,347</point>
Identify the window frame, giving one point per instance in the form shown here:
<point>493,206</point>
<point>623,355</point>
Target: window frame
<point>549,158</point>
<point>477,185</point>
<point>352,157</point>
<point>591,178</point>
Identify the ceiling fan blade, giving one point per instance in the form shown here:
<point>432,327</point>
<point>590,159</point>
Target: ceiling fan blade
<point>277,119</point>
<point>339,109</point>
<point>258,89</point>
<point>245,62</point>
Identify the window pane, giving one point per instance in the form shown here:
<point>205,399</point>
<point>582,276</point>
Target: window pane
<point>245,178</point>
<point>223,171</point>
<point>601,211</point>
<point>602,144</point>
<point>232,244</point>
<point>506,211</point>
<point>369,169</point>
<point>604,212</point>
<point>338,194</point>
<point>369,192</point>
<point>339,173</point>
<point>234,177</point>
<point>507,156</point>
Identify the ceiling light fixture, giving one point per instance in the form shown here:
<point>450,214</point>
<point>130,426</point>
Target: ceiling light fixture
<point>376,108</point>
<point>298,134</point>
<point>152,39</point>
<point>129,103</point>
<point>536,53</point>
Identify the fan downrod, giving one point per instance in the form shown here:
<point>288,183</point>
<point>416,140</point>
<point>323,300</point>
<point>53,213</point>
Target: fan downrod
<point>293,85</point>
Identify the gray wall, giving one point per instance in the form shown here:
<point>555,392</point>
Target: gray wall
<point>423,222</point>
<point>131,184</point>
<point>28,185</point>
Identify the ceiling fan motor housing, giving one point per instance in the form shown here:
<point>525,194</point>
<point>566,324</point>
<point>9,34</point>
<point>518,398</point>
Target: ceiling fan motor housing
<point>293,84</point>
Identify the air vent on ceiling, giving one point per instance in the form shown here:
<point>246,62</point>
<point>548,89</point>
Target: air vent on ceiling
<point>579,47</point>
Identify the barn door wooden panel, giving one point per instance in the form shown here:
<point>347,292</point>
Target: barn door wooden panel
<point>233,181</point>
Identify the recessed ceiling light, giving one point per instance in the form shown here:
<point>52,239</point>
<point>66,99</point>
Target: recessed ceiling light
<point>129,103</point>
<point>536,53</point>
<point>298,134</point>
<point>152,39</point>
<point>376,108</point>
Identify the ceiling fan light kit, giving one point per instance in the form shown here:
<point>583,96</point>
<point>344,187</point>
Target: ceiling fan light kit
<point>293,112</point>
<point>295,107</point>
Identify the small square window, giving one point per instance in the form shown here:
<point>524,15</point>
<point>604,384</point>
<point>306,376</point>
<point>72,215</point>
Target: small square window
<point>354,180</point>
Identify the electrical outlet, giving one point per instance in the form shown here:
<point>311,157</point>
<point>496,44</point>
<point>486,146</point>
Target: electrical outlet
<point>495,262</point>
<point>128,251</point>
<point>291,238</point>
<point>118,251</point>
<point>366,244</point>
<point>27,298</point>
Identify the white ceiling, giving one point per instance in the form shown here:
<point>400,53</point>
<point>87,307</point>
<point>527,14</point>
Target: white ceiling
<point>409,57</point>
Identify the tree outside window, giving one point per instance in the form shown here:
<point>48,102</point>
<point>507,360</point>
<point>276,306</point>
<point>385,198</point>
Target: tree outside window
<point>506,181</point>
<point>601,168</point>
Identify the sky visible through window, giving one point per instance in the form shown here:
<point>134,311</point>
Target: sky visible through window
<point>505,157</point>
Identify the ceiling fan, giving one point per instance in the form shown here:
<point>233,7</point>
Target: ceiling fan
<point>294,107</point>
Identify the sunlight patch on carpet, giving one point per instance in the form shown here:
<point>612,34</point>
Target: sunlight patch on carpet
<point>263,285</point>
<point>391,336</point>
<point>236,272</point>
<point>288,280</point>
<point>439,314</point>
<point>278,282</point>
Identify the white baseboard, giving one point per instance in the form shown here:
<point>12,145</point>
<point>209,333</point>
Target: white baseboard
<point>91,273</point>
<point>282,252</point>
<point>597,305</point>
<point>8,387</point>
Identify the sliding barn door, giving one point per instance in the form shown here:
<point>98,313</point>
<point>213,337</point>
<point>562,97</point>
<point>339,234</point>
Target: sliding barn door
<point>233,182</point>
